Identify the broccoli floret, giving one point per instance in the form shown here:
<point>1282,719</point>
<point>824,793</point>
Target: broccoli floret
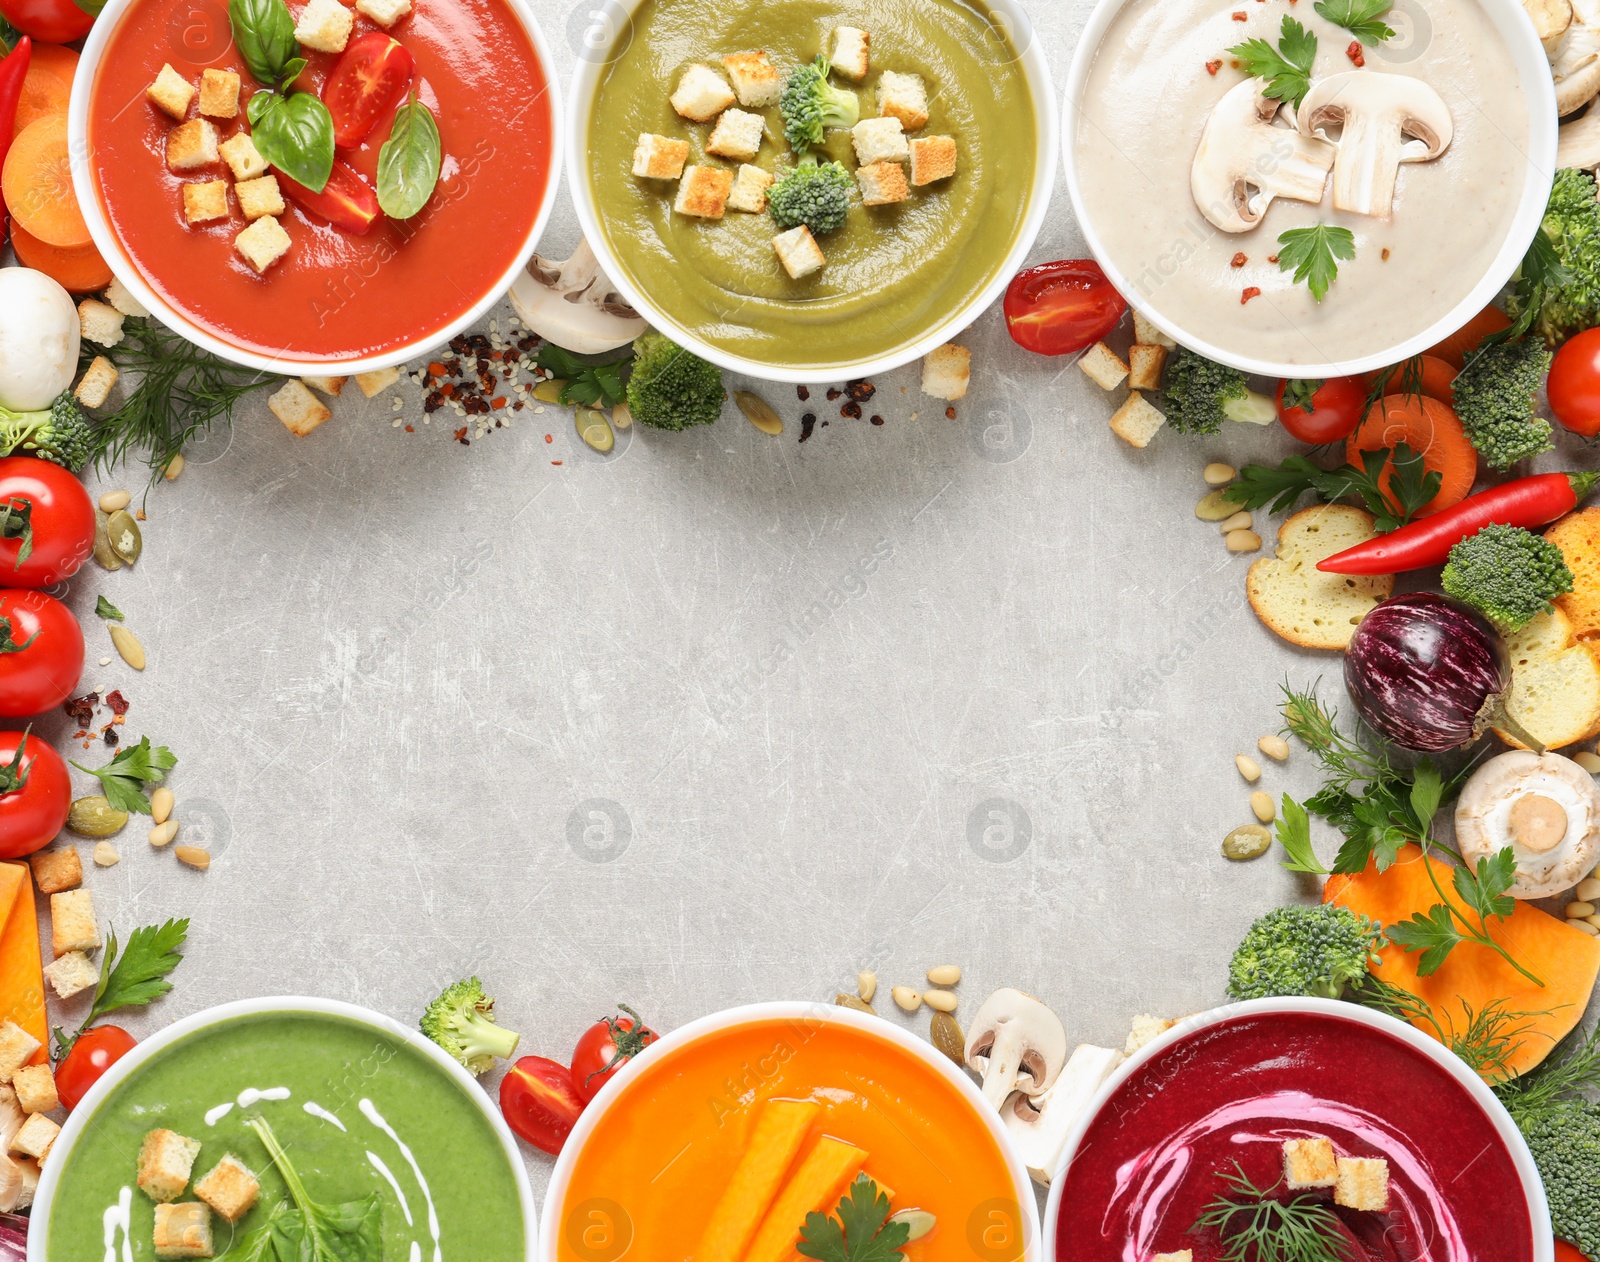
<point>1565,1143</point>
<point>462,1022</point>
<point>670,388</point>
<point>810,104</point>
<point>59,434</point>
<point>1508,574</point>
<point>815,194</point>
<point>1201,394</point>
<point>1303,951</point>
<point>1494,396</point>
<point>1569,302</point>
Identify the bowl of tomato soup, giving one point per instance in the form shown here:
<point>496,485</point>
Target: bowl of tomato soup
<point>1220,1093</point>
<point>720,1138</point>
<point>335,298</point>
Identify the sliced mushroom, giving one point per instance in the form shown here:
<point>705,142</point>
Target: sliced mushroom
<point>1245,159</point>
<point>1550,19</point>
<point>573,304</point>
<point>1579,143</point>
<point>1575,64</point>
<point>1017,1044</point>
<point>1378,121</point>
<point>1545,807</point>
<point>1038,1125</point>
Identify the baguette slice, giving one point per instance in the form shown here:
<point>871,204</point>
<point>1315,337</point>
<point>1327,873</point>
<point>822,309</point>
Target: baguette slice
<point>1555,683</point>
<point>1299,602</point>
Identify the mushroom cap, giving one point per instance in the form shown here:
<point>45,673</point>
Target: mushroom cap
<point>1484,823</point>
<point>1579,143</point>
<point>1243,161</point>
<point>1019,1023</point>
<point>1413,107</point>
<point>38,339</point>
<point>572,304</point>
<point>1575,63</point>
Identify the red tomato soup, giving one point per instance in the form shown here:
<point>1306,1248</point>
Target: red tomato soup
<point>333,295</point>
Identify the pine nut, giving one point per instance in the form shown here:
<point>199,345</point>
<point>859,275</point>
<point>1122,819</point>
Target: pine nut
<point>1589,929</point>
<point>1588,890</point>
<point>940,1000</point>
<point>866,985</point>
<point>1589,762</point>
<point>1239,521</point>
<point>1590,920</point>
<point>105,854</point>
<point>946,975</point>
<point>1274,747</point>
<point>162,834</point>
<point>1579,910</point>
<point>127,646</point>
<point>161,804</point>
<point>174,468</point>
<point>194,856</point>
<point>111,501</point>
<point>621,416</point>
<point>1243,541</point>
<point>1218,474</point>
<point>1262,805</point>
<point>906,999</point>
<point>1249,768</point>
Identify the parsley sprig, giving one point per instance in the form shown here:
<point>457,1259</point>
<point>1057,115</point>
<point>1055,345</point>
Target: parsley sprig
<point>588,385</point>
<point>1313,255</point>
<point>860,1233</point>
<point>1286,68</point>
<point>135,977</point>
<point>1362,18</point>
<point>1393,495</point>
<point>124,777</point>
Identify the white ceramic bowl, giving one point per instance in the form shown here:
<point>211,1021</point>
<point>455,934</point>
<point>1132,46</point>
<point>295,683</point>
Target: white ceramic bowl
<point>117,259</point>
<point>876,1027</point>
<point>1452,1065</point>
<point>614,23</point>
<point>79,1119</point>
<point>1533,69</point>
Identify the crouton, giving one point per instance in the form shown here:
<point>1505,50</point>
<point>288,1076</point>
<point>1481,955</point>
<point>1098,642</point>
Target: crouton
<point>659,157</point>
<point>1145,1028</point>
<point>219,93</point>
<point>333,387</point>
<point>72,922</point>
<point>737,135</point>
<point>94,387</point>
<point>1363,1183</point>
<point>99,322</point>
<point>204,203</point>
<point>1183,1255</point>
<point>1300,603</point>
<point>702,93</point>
<point>118,296</point>
<point>166,1160</point>
<point>299,409</point>
<point>239,152</point>
<point>703,192</point>
<point>946,370</point>
<point>933,158</point>
<point>230,1188</point>
<point>193,145</point>
<point>750,187</point>
<point>324,25</point>
<point>851,53</point>
<point>882,183</point>
<point>184,1230</point>
<point>799,252</point>
<point>378,380</point>
<point>56,870</point>
<point>39,1132</point>
<point>17,1047</point>
<point>384,12</point>
<point>264,242</point>
<point>879,140</point>
<point>755,79</point>
<point>1145,365</point>
<point>72,973</point>
<point>35,1086</point>
<point>259,197</point>
<point>1101,365</point>
<point>171,92</point>
<point>903,96</point>
<point>1137,420</point>
<point>1310,1163</point>
<point>1147,334</point>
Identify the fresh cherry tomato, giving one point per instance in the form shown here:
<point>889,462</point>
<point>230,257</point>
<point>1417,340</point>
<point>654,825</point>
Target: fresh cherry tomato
<point>605,1047</point>
<point>368,81</point>
<point>45,508</point>
<point>41,653</point>
<point>34,799</point>
<point>48,21</point>
<point>1574,385</point>
<point>94,1052</point>
<point>1061,308</point>
<point>539,1102</point>
<point>346,201</point>
<point>1336,409</point>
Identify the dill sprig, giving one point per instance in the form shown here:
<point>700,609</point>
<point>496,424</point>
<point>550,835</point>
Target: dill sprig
<point>1485,1038</point>
<point>1255,1226</point>
<point>1543,1093</point>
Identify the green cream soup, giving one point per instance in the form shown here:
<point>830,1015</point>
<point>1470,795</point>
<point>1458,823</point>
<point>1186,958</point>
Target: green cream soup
<point>348,1104</point>
<point>894,273</point>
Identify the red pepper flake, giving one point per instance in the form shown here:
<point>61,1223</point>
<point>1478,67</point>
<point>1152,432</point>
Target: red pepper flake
<point>1385,255</point>
<point>461,436</point>
<point>1355,54</point>
<point>116,702</point>
<point>436,369</point>
<point>1213,66</point>
<point>81,709</point>
<point>1239,16</point>
<point>1239,260</point>
<point>950,414</point>
<point>498,402</point>
<point>877,420</point>
<point>447,390</point>
<point>860,390</point>
<point>549,438</point>
<point>411,429</point>
<point>1272,258</point>
<point>558,462</point>
<point>833,394</point>
<point>1249,293</point>
<point>802,393</point>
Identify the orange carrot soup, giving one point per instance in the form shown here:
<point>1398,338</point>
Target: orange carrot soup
<point>718,1150</point>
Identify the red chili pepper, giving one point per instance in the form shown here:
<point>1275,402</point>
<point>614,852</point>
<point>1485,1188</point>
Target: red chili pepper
<point>13,70</point>
<point>1526,502</point>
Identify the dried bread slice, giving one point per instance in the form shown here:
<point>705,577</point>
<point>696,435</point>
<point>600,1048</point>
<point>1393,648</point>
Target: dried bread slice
<point>1555,683</point>
<point>1298,601</point>
<point>1578,537</point>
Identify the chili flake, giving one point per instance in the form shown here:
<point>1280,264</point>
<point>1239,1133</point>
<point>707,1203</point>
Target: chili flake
<point>1239,259</point>
<point>802,393</point>
<point>81,709</point>
<point>1213,66</point>
<point>1355,54</point>
<point>1250,292</point>
<point>1240,16</point>
<point>950,414</point>
<point>116,702</point>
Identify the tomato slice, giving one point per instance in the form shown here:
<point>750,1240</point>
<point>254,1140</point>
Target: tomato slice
<point>347,202</point>
<point>1061,308</point>
<point>368,81</point>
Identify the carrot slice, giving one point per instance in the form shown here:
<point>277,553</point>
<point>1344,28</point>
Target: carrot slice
<point>37,182</point>
<point>21,966</point>
<point>44,93</point>
<point>78,271</point>
<point>58,59</point>
<point>1421,374</point>
<point>1427,426</point>
<point>1455,348</point>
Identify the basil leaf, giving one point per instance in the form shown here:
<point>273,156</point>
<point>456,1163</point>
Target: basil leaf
<point>295,134</point>
<point>263,30</point>
<point>408,163</point>
<point>291,72</point>
<point>91,7</point>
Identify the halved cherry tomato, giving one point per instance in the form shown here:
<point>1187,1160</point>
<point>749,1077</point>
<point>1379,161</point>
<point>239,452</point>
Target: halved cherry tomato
<point>41,653</point>
<point>94,1052</point>
<point>45,508</point>
<point>1574,385</point>
<point>1337,406</point>
<point>605,1047</point>
<point>367,82</point>
<point>1061,308</point>
<point>539,1102</point>
<point>347,201</point>
<point>35,798</point>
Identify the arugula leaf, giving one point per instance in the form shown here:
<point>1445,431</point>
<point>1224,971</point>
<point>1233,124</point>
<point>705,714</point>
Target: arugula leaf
<point>1434,934</point>
<point>588,385</point>
<point>1294,835</point>
<point>1313,254</point>
<point>1286,68</point>
<point>140,975</point>
<point>350,1231</point>
<point>1484,889</point>
<point>123,778</point>
<point>105,609</point>
<point>1393,499</point>
<point>1360,17</point>
<point>859,1233</point>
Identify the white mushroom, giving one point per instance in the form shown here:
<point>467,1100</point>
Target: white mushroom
<point>1550,19</point>
<point>1545,807</point>
<point>1575,64</point>
<point>1378,121</point>
<point>1245,159</point>
<point>573,304</point>
<point>1038,1125</point>
<point>1579,143</point>
<point>1017,1044</point>
<point>38,339</point>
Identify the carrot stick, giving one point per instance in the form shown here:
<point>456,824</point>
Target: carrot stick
<point>777,1136</point>
<point>815,1188</point>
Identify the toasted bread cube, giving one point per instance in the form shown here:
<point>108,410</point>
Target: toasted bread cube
<point>193,145</point>
<point>184,1230</point>
<point>17,1047</point>
<point>384,12</point>
<point>703,192</point>
<point>324,25</point>
<point>882,183</point>
<point>219,93</point>
<point>230,1188</point>
<point>799,252</point>
<point>204,203</point>
<point>1363,1183</point>
<point>946,370</point>
<point>35,1086</point>
<point>1310,1163</point>
<point>377,381</point>
<point>1136,423</point>
<point>99,322</point>
<point>879,140</point>
<point>1183,1255</point>
<point>737,135</point>
<point>264,242</point>
<point>1145,365</point>
<point>72,923</point>
<point>755,78</point>
<point>56,870</point>
<point>903,96</point>
<point>1145,1028</point>
<point>1101,365</point>
<point>852,52</point>
<point>750,187</point>
<point>659,157</point>
<point>72,973</point>
<point>166,1160</point>
<point>333,387</point>
<point>259,197</point>
<point>1146,334</point>
<point>94,387</point>
<point>239,152</point>
<point>702,93</point>
<point>171,92</point>
<point>118,296</point>
<point>933,158</point>
<point>35,1137</point>
<point>299,409</point>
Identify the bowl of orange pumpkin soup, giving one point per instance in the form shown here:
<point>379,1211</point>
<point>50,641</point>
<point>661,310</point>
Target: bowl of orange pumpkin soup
<point>719,1140</point>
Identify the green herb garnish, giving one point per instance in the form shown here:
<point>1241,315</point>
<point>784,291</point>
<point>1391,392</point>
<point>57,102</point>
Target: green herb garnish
<point>408,162</point>
<point>292,130</point>
<point>1393,495</point>
<point>124,777</point>
<point>351,1231</point>
<point>1313,255</point>
<point>1362,18</point>
<point>105,609</point>
<point>588,385</point>
<point>1286,68</point>
<point>139,975</point>
<point>1255,1226</point>
<point>859,1233</point>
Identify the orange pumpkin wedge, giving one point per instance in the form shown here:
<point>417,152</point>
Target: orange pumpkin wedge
<point>21,965</point>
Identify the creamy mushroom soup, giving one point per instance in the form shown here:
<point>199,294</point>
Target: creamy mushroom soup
<point>1161,73</point>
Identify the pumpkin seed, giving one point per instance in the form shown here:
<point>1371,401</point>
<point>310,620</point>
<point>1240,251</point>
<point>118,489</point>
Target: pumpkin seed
<point>104,557</point>
<point>945,975</point>
<point>758,412</point>
<point>947,1037</point>
<point>161,802</point>
<point>194,856</point>
<point>95,817</point>
<point>866,985</point>
<point>1248,841</point>
<point>920,1221</point>
<point>550,391</point>
<point>850,1001</point>
<point>122,533</point>
<point>1214,508</point>
<point>128,646</point>
<point>594,429</point>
